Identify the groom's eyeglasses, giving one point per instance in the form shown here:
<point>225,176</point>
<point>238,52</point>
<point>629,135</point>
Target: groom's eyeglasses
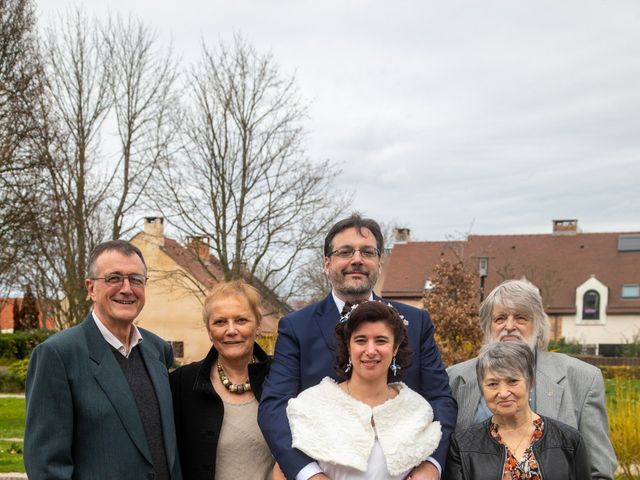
<point>348,252</point>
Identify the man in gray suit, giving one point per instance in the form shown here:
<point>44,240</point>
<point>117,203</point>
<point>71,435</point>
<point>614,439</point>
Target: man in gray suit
<point>98,398</point>
<point>566,388</point>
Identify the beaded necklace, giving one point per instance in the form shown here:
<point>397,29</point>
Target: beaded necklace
<point>232,387</point>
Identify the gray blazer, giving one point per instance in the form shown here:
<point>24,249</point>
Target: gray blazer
<point>82,421</point>
<point>567,389</point>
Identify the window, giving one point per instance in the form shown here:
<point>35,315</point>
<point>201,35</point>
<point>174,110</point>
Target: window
<point>631,291</point>
<point>591,305</point>
<point>629,243</point>
<point>178,349</point>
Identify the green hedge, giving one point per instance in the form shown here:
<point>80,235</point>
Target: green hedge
<point>19,345</point>
<point>12,381</point>
<point>564,346</point>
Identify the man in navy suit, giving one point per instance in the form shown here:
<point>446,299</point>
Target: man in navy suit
<point>305,352</point>
<point>98,399</point>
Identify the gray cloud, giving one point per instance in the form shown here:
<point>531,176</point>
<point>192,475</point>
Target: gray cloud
<point>493,115</point>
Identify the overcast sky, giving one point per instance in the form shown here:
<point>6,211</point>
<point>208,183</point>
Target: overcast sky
<point>447,117</point>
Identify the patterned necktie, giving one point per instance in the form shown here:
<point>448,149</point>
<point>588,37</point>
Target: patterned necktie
<point>346,309</point>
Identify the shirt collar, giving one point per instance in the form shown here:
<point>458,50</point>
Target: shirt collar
<point>134,339</point>
<point>340,303</point>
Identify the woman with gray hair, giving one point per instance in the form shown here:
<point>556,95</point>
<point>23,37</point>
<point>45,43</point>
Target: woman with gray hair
<point>515,442</point>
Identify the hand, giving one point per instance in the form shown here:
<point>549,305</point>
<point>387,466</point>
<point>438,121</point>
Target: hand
<point>425,471</point>
<point>277,473</point>
<point>319,476</point>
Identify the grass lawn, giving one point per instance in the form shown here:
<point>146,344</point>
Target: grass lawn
<point>11,426</point>
<point>11,457</point>
<point>12,415</point>
<point>610,386</point>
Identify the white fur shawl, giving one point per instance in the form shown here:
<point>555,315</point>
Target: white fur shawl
<point>331,426</point>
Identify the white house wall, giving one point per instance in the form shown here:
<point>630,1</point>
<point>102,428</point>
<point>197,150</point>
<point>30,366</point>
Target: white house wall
<point>617,329</point>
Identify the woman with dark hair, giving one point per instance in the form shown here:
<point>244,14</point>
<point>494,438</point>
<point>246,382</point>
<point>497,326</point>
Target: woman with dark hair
<point>366,427</point>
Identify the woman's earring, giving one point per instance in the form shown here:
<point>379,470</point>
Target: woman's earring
<point>394,366</point>
<point>348,367</point>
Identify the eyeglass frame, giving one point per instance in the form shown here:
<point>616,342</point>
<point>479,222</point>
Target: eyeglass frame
<point>354,250</point>
<point>122,277</point>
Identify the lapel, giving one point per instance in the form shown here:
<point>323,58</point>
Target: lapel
<point>550,390</point>
<point>326,317</point>
<point>160,379</point>
<point>111,380</point>
<point>468,395</point>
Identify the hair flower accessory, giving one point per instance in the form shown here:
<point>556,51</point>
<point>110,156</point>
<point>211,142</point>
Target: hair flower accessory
<point>404,320</point>
<point>345,318</point>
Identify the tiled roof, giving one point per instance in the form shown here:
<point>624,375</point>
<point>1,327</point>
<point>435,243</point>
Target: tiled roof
<point>557,264</point>
<point>209,273</point>
<point>410,265</point>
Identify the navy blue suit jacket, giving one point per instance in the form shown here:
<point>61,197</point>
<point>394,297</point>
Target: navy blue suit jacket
<point>305,354</point>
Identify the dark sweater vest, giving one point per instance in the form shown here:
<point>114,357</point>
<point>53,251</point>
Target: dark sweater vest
<point>144,394</point>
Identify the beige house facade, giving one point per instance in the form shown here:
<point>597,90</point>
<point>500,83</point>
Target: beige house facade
<point>179,279</point>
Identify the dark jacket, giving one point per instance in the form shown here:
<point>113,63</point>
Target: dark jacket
<point>82,418</point>
<point>198,411</point>
<point>305,354</point>
<point>475,455</point>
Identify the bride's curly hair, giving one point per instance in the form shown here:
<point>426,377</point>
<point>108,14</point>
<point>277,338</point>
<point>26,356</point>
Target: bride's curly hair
<point>372,311</point>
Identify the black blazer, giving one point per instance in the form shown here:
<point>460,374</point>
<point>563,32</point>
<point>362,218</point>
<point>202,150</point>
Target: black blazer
<point>475,455</point>
<point>198,411</point>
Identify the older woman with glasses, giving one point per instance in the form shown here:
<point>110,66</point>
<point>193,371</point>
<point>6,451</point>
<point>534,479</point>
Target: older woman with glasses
<point>515,442</point>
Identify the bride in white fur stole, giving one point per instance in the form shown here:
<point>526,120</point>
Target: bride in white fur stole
<point>366,427</point>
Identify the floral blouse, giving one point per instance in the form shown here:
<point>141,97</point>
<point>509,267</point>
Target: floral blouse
<point>527,467</point>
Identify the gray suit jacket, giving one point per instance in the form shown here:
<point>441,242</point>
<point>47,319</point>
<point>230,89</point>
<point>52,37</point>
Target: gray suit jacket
<point>567,389</point>
<point>82,421</point>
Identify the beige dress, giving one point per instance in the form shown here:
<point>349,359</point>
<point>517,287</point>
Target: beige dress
<point>240,427</point>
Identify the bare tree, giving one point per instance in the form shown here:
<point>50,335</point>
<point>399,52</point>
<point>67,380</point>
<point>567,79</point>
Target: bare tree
<point>94,73</point>
<point>20,90</point>
<point>67,222</point>
<point>142,89</point>
<point>20,82</point>
<point>243,182</point>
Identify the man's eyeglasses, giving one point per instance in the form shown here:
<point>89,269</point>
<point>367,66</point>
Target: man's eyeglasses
<point>348,252</point>
<point>116,279</point>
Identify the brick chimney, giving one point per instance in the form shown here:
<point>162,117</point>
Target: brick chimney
<point>200,246</point>
<point>154,230</point>
<point>565,227</point>
<point>401,235</point>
